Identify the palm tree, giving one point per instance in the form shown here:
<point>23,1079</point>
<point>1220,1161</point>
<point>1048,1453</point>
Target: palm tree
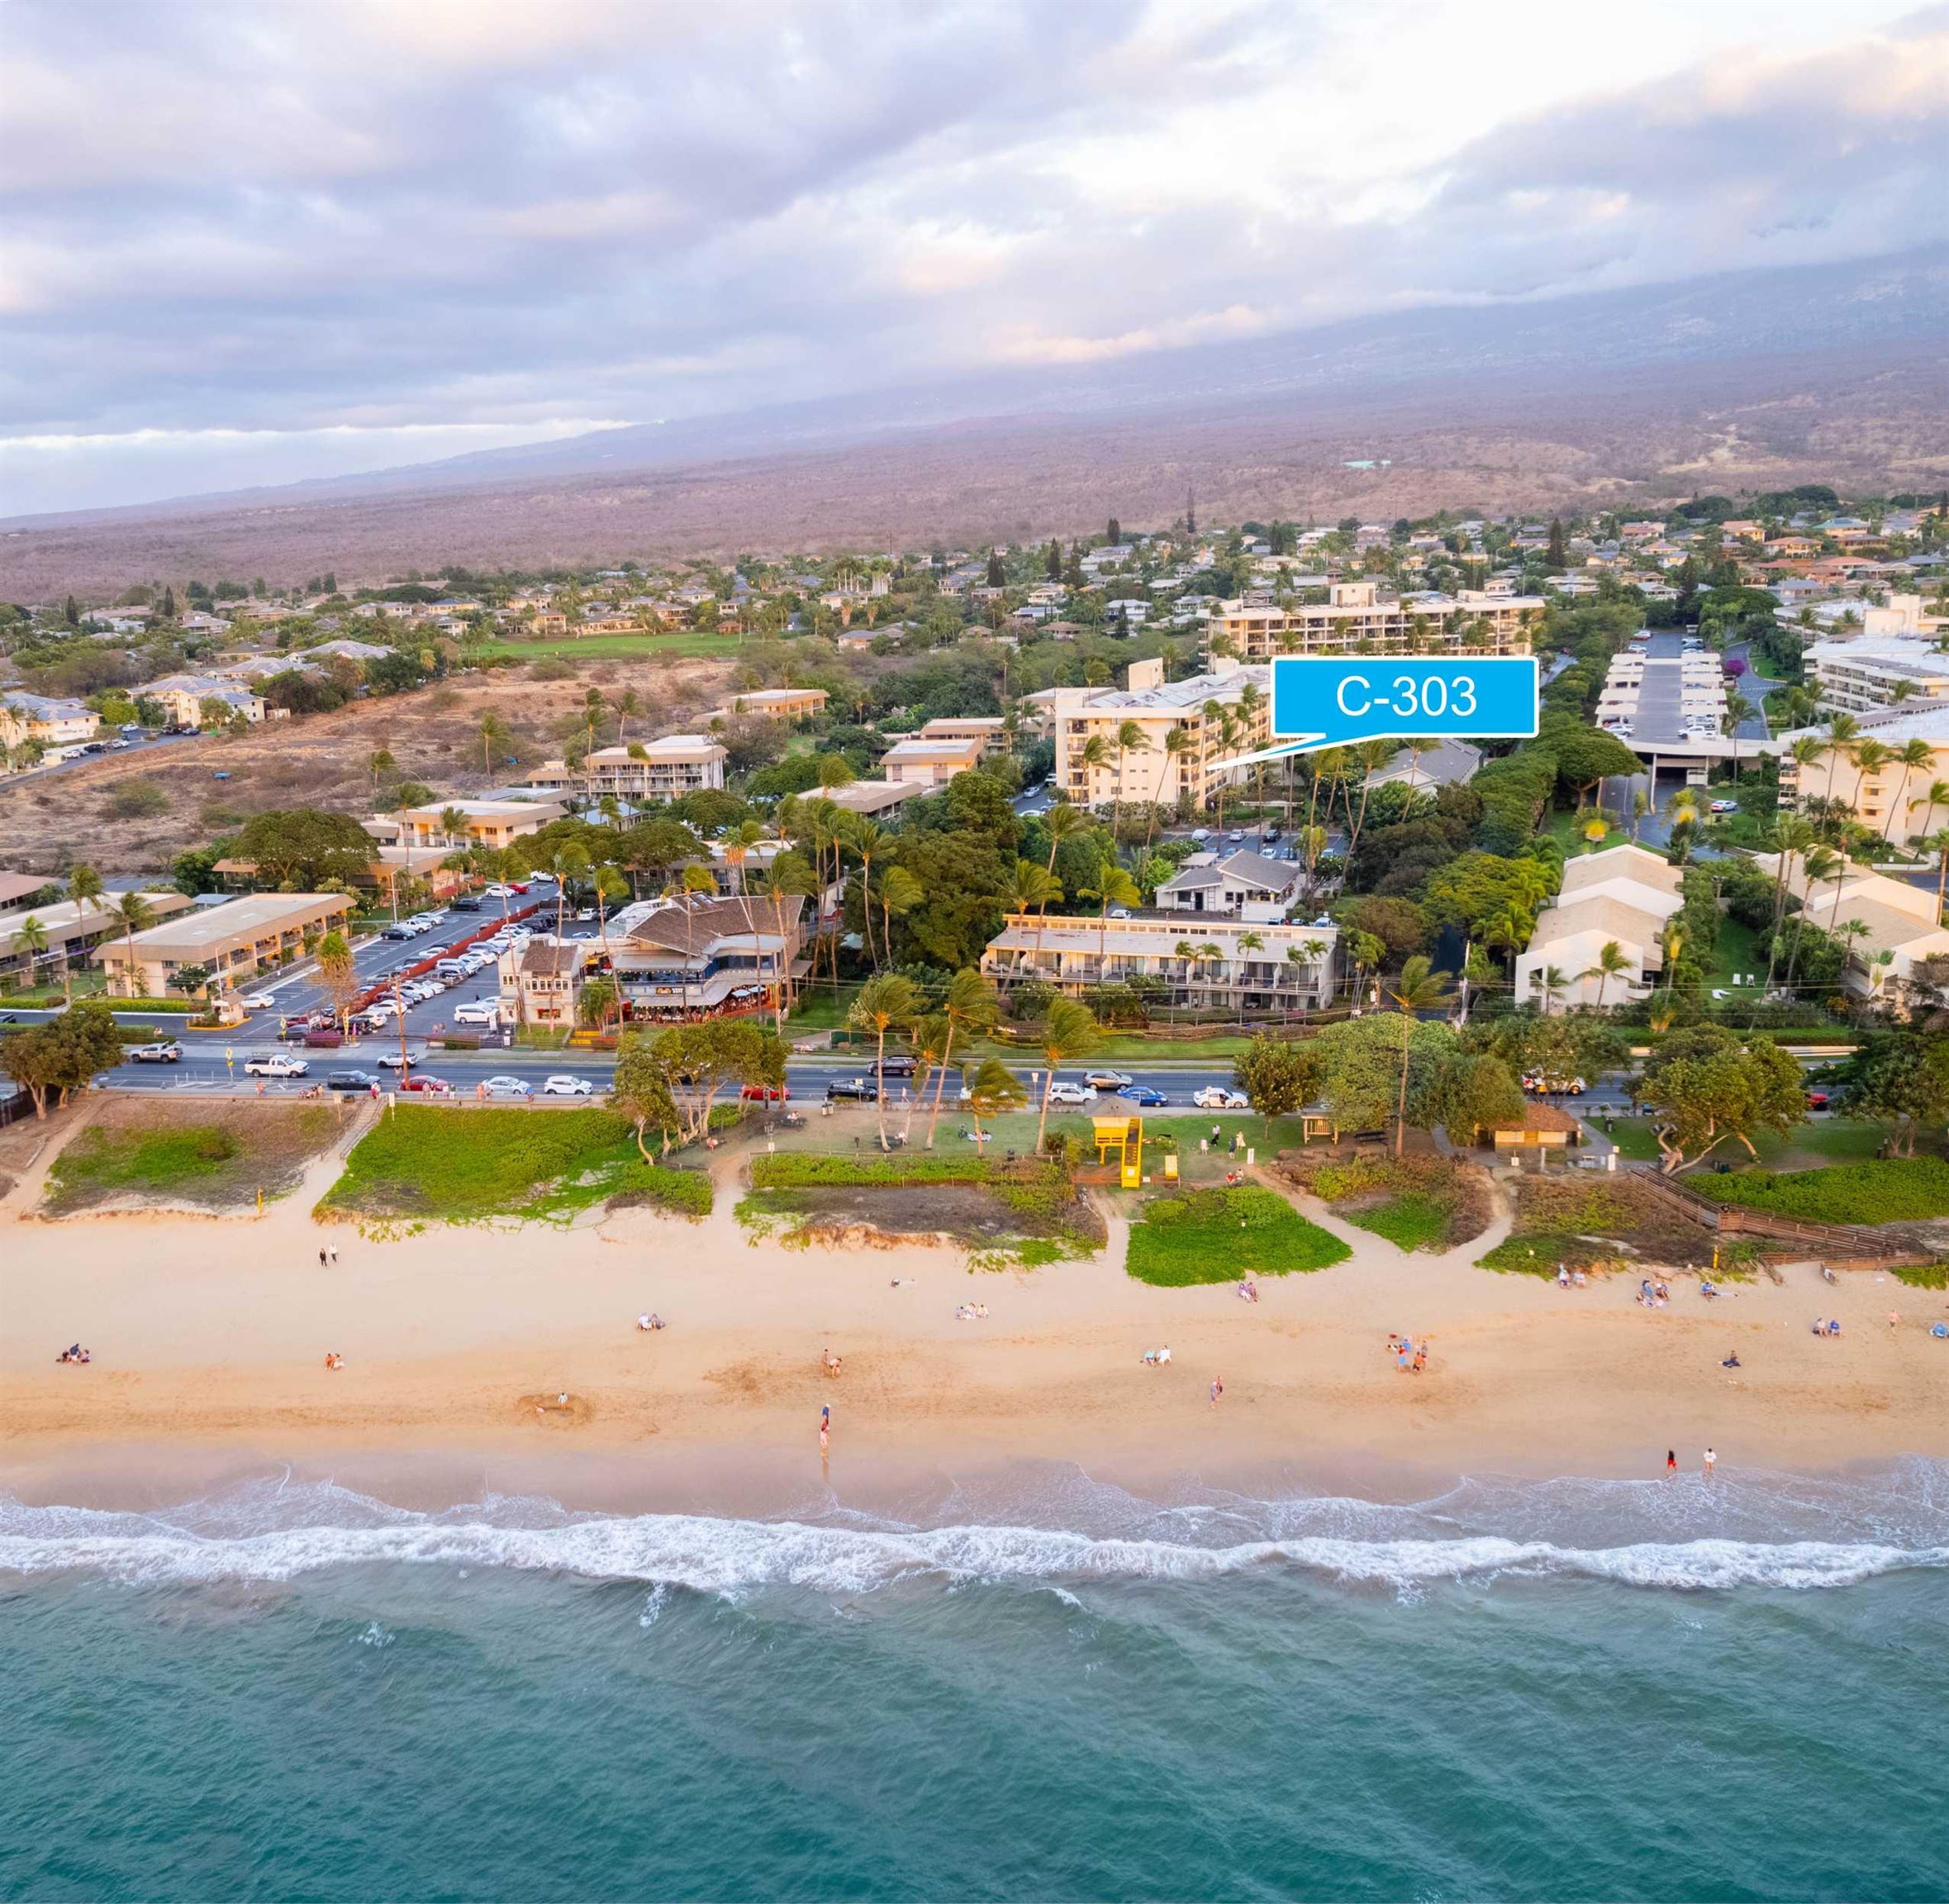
<point>899,894</point>
<point>1842,729</point>
<point>84,887</point>
<point>1611,961</point>
<point>453,822</point>
<point>1130,739</point>
<point>993,1089</point>
<point>1069,1030</point>
<point>1095,754</point>
<point>1674,943</point>
<point>132,915</point>
<point>1246,942</point>
<point>1114,887</point>
<point>1914,753</point>
<point>865,839</point>
<point>886,999</point>
<point>1552,983</point>
<point>626,705</point>
<point>1738,707</point>
<point>1870,756</point>
<point>932,1034</point>
<point>30,936</point>
<point>1641,805</point>
<point>1937,843</point>
<point>1177,743</point>
<point>970,1007</point>
<point>788,877</point>
<point>1419,989</point>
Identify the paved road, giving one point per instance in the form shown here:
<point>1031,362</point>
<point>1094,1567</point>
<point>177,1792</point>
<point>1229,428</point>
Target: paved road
<point>135,747</point>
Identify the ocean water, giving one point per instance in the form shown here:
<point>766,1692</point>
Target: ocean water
<point>1042,1689</point>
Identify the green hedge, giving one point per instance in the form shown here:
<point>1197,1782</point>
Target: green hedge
<point>1220,1235</point>
<point>1891,1190</point>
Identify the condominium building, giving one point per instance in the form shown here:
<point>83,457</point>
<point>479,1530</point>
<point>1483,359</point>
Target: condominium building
<point>1248,884</point>
<point>230,943</point>
<point>458,823</point>
<point>1622,897</point>
<point>1208,960</point>
<point>1240,722</point>
<point>773,704</point>
<point>1894,799</point>
<point>924,761</point>
<point>184,697</point>
<point>1858,675</point>
<point>665,768</point>
<point>1900,930</point>
<point>72,929</point>
<point>989,729</point>
<point>1356,618</point>
<point>52,722</point>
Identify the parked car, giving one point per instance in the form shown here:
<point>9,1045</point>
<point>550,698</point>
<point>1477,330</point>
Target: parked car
<point>274,1064</point>
<point>1817,1100</point>
<point>1107,1080</point>
<point>258,1001</point>
<point>392,1061</point>
<point>1065,1093</point>
<point>561,1084</point>
<point>766,1093</point>
<point>859,1089</point>
<point>1148,1095</point>
<point>427,1085</point>
<point>505,1086</point>
<point>484,1012</point>
<point>1725,807</point>
<point>467,903</point>
<point>352,1081</point>
<point>1218,1097</point>
<point>167,1051</point>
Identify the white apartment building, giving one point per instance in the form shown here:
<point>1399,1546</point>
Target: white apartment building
<point>1902,932</point>
<point>665,768</point>
<point>52,722</point>
<point>1857,675</point>
<point>1623,897</point>
<point>989,729</point>
<point>924,762</point>
<point>1073,716</point>
<point>184,697</point>
<point>1205,959</point>
<point>1356,618</point>
<point>1893,799</point>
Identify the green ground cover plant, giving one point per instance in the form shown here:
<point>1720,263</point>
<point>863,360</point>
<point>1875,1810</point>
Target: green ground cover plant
<point>1218,1235</point>
<point>220,1161</point>
<point>1887,1190</point>
<point>1414,1202</point>
<point>440,1164</point>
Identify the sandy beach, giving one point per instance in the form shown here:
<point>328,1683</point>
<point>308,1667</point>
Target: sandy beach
<point>209,1339</point>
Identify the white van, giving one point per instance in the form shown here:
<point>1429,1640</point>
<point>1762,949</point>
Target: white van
<point>484,1012</point>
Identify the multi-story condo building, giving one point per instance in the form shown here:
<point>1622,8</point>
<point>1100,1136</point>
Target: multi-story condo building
<point>926,761</point>
<point>1622,897</point>
<point>229,944</point>
<point>1240,722</point>
<point>661,769</point>
<point>43,717</point>
<point>184,697</point>
<point>1356,618</point>
<point>1206,958</point>
<point>495,823</point>
<point>1857,675</point>
<point>989,729</point>
<point>1894,799</point>
<point>773,704</point>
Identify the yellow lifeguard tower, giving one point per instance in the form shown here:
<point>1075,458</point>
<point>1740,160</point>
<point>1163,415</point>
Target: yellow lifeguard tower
<point>1125,1136</point>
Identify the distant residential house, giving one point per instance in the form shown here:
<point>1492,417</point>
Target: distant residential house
<point>48,719</point>
<point>183,697</point>
<point>1623,897</point>
<point>1451,763</point>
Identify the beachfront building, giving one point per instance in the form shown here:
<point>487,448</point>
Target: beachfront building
<point>1856,676</point>
<point>1894,799</point>
<point>771,704</point>
<point>46,719</point>
<point>1247,884</point>
<point>922,762</point>
<point>493,823</point>
<point>541,983</point>
<point>192,700</point>
<point>1210,960</point>
<point>1622,896</point>
<point>230,943</point>
<point>72,929</point>
<point>872,797</point>
<point>1360,618</point>
<point>701,959</point>
<point>665,768</point>
<point>1899,930</point>
<point>1220,715</point>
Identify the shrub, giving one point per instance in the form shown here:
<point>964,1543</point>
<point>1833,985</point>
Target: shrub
<point>1218,1235</point>
<point>138,800</point>
<point>1893,1190</point>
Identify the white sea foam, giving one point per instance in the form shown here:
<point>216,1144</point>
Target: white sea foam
<point>732,1559</point>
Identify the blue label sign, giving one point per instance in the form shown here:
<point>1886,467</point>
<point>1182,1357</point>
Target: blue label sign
<point>1329,701</point>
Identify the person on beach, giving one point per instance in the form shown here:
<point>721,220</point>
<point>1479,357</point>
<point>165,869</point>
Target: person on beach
<point>1731,1361</point>
<point>1671,1461</point>
<point>825,1431</point>
<point>333,1252</point>
<point>1711,1462</point>
<point>322,1256</point>
<point>1217,1389</point>
<point>1421,1358</point>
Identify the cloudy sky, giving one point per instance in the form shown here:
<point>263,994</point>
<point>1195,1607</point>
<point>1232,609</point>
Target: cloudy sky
<point>246,242</point>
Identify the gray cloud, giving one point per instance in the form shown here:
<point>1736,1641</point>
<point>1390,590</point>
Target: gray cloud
<point>500,215</point>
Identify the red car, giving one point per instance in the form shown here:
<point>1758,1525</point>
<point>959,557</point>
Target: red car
<point>1817,1100</point>
<point>766,1093</point>
<point>433,1086</point>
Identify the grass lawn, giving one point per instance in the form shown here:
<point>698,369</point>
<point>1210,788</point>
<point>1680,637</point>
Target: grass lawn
<point>1893,1190</point>
<point>1219,1235</point>
<point>220,1161</point>
<point>445,1164</point>
<point>1633,1138</point>
<point>1823,1141</point>
<point>1409,1221</point>
<point>686,644</point>
<point>1735,953</point>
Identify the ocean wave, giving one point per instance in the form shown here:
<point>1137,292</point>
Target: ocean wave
<point>733,1559</point>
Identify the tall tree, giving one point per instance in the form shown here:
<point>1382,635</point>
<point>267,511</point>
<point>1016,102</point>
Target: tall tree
<point>1069,1031</point>
<point>1419,989</point>
<point>886,1000</point>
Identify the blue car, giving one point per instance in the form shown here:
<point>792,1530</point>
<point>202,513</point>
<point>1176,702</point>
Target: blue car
<point>1148,1095</point>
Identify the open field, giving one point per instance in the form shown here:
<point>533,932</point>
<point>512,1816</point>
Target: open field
<point>439,1164</point>
<point>319,760</point>
<point>677,644</point>
<point>218,1156</point>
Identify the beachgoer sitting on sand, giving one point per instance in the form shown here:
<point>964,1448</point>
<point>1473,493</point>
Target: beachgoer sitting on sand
<point>1834,1326</point>
<point>642,1321</point>
<point>832,1362</point>
<point>1708,1290</point>
<point>1164,1354</point>
<point>1731,1361</point>
<point>1149,1357</point>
